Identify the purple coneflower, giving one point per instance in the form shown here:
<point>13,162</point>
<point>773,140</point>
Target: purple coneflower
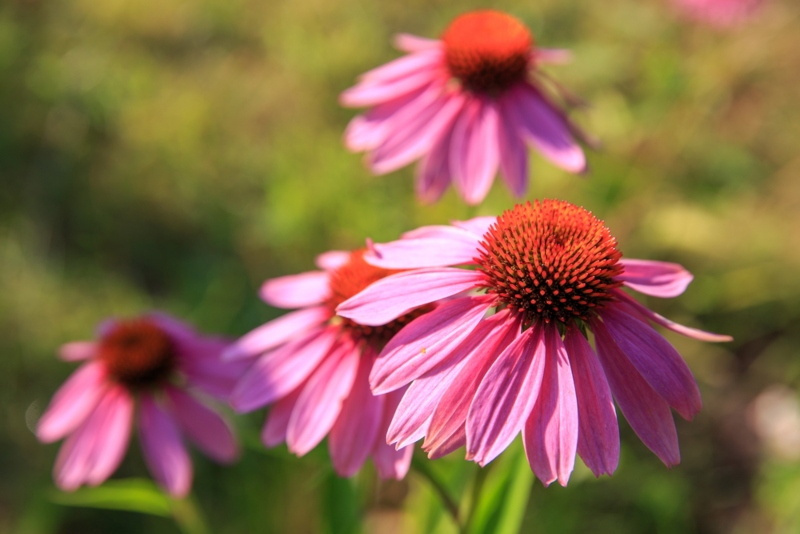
<point>314,366</point>
<point>509,351</point>
<point>167,367</point>
<point>466,104</point>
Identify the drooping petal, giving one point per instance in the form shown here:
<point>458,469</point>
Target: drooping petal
<point>356,430</point>
<point>405,66</point>
<point>391,297</point>
<point>73,402</point>
<point>598,437</point>
<point>205,427</point>
<point>454,441</point>
<point>477,225</point>
<point>202,365</point>
<point>647,413</point>
<point>444,248</point>
<point>77,351</point>
<point>655,278</point>
<point>94,451</point>
<point>638,310</point>
<point>477,353</point>
<point>505,397</point>
<point>546,128</point>
<point>320,402</point>
<point>656,360</point>
<point>274,431</point>
<point>425,342</point>
<point>332,260</point>
<point>433,171</point>
<point>164,452</point>
<point>552,56</point>
<point>276,374</point>
<point>368,130</point>
<point>474,154</point>
<point>297,290</point>
<point>551,431</point>
<point>411,43</point>
<point>416,135</point>
<point>513,152</point>
<point>373,91</point>
<point>390,462</point>
<point>277,332</point>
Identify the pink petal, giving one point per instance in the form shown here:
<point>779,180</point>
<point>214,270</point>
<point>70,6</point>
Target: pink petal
<point>205,427</point>
<point>545,128</point>
<point>277,332</point>
<point>405,66</point>
<point>655,278</point>
<point>552,56</point>
<point>274,431</point>
<point>163,450</point>
<point>477,353</point>
<point>276,374</point>
<point>433,172</point>
<point>373,91</point>
<point>297,290</point>
<point>426,341</point>
<point>598,437</point>
<point>457,247</point>
<point>208,372</point>
<point>474,153</point>
<point>646,314</point>
<point>77,351</point>
<point>332,260</point>
<point>73,402</point>
<point>321,400</point>
<point>416,135</point>
<point>355,431</point>
<point>96,448</point>
<point>390,462</point>
<point>656,360</point>
<point>411,43</point>
<point>454,441</point>
<point>391,297</point>
<point>647,413</point>
<point>477,226</point>
<point>513,152</point>
<point>506,396</point>
<point>551,431</point>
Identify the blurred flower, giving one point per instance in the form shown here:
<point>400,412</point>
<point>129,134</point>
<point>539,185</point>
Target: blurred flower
<point>165,365</point>
<point>720,13</point>
<point>315,366</point>
<point>775,416</point>
<point>548,270</point>
<point>466,105</point>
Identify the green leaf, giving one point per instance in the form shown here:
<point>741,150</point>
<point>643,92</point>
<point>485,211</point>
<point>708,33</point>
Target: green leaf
<point>132,494</point>
<point>341,510</point>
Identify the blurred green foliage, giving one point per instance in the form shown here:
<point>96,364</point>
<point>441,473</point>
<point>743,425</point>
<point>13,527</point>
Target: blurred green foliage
<point>173,154</point>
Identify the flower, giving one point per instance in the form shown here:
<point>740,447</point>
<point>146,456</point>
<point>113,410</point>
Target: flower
<point>465,104</point>
<point>550,272</point>
<point>720,13</point>
<point>314,366</point>
<point>166,366</point>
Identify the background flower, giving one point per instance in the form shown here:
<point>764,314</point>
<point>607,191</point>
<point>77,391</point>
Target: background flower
<point>160,364</point>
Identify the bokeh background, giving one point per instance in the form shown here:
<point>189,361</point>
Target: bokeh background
<point>172,154</point>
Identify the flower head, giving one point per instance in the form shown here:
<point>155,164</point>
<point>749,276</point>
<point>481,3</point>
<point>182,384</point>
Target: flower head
<point>509,353</point>
<point>167,367</point>
<point>465,105</point>
<point>314,366</point>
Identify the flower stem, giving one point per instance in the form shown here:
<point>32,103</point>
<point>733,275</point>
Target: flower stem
<point>422,468</point>
<point>188,516</point>
<point>475,497</point>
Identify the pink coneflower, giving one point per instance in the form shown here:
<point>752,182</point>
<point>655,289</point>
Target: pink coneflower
<point>315,367</point>
<point>720,13</point>
<point>466,104</point>
<point>550,272</point>
<point>166,366</point>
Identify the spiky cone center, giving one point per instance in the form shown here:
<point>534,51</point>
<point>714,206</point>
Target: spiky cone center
<point>550,260</point>
<point>352,278</point>
<point>488,51</point>
<point>138,354</point>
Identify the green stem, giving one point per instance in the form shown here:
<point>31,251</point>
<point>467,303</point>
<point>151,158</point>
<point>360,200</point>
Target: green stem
<point>475,496</point>
<point>422,468</point>
<point>188,517</point>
